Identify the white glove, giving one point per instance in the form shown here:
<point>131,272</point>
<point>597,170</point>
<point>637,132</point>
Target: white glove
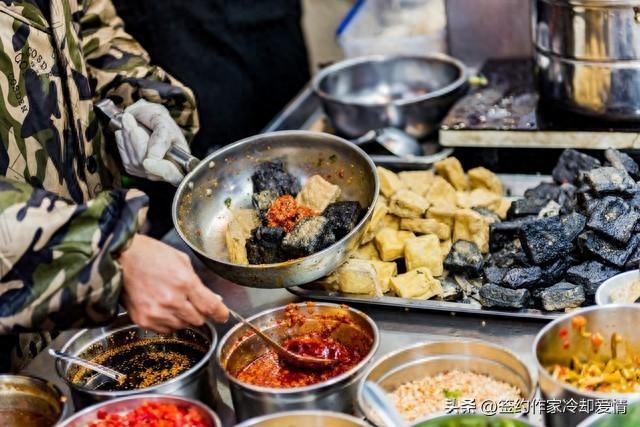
<point>143,154</point>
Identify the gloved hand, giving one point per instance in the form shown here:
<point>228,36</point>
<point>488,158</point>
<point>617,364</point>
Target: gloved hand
<point>143,153</point>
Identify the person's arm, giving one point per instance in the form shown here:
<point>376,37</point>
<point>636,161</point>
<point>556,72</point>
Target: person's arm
<point>58,265</point>
<point>120,68</point>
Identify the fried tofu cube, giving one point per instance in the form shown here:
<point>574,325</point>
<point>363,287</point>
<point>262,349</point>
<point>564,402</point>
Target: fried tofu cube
<point>389,181</point>
<point>441,193</point>
<point>367,251</point>
<point>407,204</point>
<point>379,211</point>
<point>451,170</point>
<point>385,271</point>
<point>470,225</point>
<point>426,226</point>
<point>480,197</point>
<point>483,178</point>
<point>417,181</point>
<point>238,232</point>
<point>445,247</point>
<point>357,276</point>
<point>443,214</point>
<point>416,284</point>
<point>503,208</point>
<point>391,221</point>
<point>317,193</point>
<point>424,251</point>
<point>390,243</point>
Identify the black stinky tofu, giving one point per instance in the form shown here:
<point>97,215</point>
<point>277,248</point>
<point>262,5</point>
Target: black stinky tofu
<point>570,163</point>
<point>562,295</point>
<point>310,235</point>
<point>262,201</point>
<point>511,255</point>
<point>555,271</point>
<point>503,233</point>
<point>451,291</point>
<point>634,260</point>
<point>525,207</point>
<point>492,295</point>
<point>494,274</point>
<point>522,277</point>
<point>343,217</point>
<point>609,180</point>
<point>264,245</point>
<point>549,238</point>
<point>567,198</point>
<point>272,176</point>
<point>614,218</point>
<point>464,257</point>
<point>544,191</point>
<point>590,274</point>
<point>607,250</point>
<point>573,224</point>
<point>622,161</point>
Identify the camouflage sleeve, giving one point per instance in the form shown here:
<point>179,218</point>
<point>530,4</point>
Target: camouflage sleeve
<point>57,259</point>
<point>120,69</point>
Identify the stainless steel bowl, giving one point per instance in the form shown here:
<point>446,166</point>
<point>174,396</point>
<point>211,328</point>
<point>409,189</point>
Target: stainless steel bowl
<point>412,93</point>
<point>198,382</point>
<point>548,349</point>
<point>238,348</point>
<point>632,413</point>
<point>472,420</point>
<point>129,403</point>
<point>613,284</point>
<point>304,418</point>
<point>201,219</point>
<point>30,401</point>
<point>431,358</point>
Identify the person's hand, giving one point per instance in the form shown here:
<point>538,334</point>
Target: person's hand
<point>162,291</point>
<point>143,153</point>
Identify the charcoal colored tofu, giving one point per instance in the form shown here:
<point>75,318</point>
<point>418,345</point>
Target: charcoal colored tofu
<point>567,198</point>
<point>525,207</point>
<point>451,291</point>
<point>492,295</point>
<point>464,257</point>
<point>590,274</point>
<point>543,191</point>
<point>572,225</point>
<point>494,274</point>
<point>609,180</point>
<point>622,161</point>
<point>522,277</point>
<point>634,260</point>
<point>570,163</point>
<point>262,201</point>
<point>343,217</point>
<point>547,239</point>
<point>561,296</point>
<point>554,271</point>
<point>552,208</point>
<point>614,218</point>
<point>264,246</point>
<point>503,233</point>
<point>511,255</point>
<point>606,250</point>
<point>310,235</point>
<point>272,176</point>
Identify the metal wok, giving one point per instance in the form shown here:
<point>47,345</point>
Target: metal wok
<point>204,201</point>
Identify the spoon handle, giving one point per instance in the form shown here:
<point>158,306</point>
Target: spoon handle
<point>108,372</point>
<point>377,398</point>
<point>257,330</point>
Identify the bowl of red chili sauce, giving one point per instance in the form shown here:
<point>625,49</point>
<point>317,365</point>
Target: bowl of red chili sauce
<point>260,383</point>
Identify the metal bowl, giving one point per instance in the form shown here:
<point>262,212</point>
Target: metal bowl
<point>548,349</point>
<point>239,347</point>
<point>431,358</point>
<point>129,403</point>
<point>468,420</point>
<point>30,401</point>
<point>603,294</point>
<point>609,420</point>
<point>412,93</point>
<point>201,219</point>
<point>305,418</point>
<point>198,382</point>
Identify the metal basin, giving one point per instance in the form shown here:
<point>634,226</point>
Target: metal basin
<point>412,93</point>
<point>198,382</point>
<point>472,421</point>
<point>613,284</point>
<point>238,348</point>
<point>304,418</point>
<point>129,403</point>
<point>30,401</point>
<point>548,349</point>
<point>431,358</point>
<point>201,220</point>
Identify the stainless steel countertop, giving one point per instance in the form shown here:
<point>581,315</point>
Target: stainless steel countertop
<point>398,327</point>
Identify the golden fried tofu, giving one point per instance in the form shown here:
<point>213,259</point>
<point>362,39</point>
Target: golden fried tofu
<point>441,193</point>
<point>357,276</point>
<point>480,197</point>
<point>379,211</point>
<point>390,243</point>
<point>451,170</point>
<point>238,231</point>
<point>470,225</point>
<point>417,181</point>
<point>416,284</point>
<point>426,226</point>
<point>445,247</point>
<point>385,271</point>
<point>443,214</point>
<point>391,221</point>
<point>366,251</point>
<point>483,178</point>
<point>503,208</point>
<point>424,251</point>
<point>317,193</point>
<point>407,204</point>
<point>389,181</point>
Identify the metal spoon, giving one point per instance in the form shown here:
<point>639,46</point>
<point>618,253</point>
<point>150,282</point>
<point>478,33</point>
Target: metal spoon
<point>306,362</point>
<point>107,372</point>
<point>378,400</point>
<point>394,140</point>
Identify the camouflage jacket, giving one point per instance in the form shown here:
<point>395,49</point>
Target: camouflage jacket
<point>62,220</point>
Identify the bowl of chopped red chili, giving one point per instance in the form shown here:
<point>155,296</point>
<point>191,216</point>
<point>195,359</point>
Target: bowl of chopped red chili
<point>146,410</point>
<point>260,383</point>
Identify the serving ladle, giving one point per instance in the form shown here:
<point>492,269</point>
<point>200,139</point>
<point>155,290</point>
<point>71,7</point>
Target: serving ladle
<point>375,397</point>
<point>96,367</point>
<point>396,141</point>
<point>289,357</point>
